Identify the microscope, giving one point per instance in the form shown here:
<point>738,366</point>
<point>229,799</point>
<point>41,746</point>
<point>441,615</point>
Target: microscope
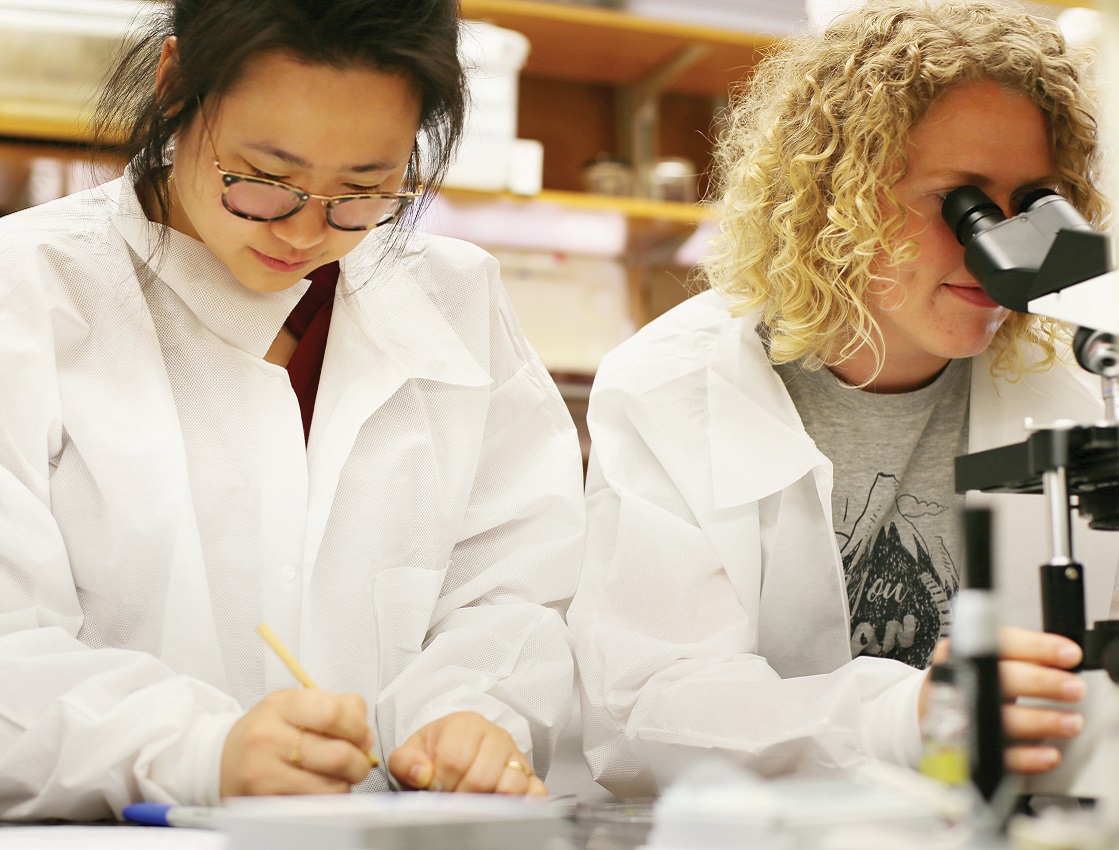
<point>1047,260</point>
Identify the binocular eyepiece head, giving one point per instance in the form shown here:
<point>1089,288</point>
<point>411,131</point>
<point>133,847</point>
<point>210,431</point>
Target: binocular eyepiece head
<point>1039,249</point>
<point>969,212</point>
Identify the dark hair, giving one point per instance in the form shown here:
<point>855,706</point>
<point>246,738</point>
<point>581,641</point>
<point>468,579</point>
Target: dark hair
<point>216,38</point>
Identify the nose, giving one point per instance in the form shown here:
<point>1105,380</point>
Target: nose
<point>1005,203</point>
<point>961,274</point>
<point>965,276</point>
<point>953,215</point>
<point>954,252</point>
<point>304,230</point>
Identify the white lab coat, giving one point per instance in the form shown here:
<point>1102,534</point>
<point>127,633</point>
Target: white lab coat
<point>157,501</point>
<point>711,614</point>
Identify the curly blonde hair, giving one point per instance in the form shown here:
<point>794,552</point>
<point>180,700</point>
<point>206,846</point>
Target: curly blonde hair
<point>815,141</point>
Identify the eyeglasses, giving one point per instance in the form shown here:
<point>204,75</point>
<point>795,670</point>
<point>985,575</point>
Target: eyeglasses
<point>260,199</point>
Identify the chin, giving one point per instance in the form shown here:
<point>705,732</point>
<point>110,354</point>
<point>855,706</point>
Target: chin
<point>972,339</point>
<point>267,283</point>
<point>963,351</point>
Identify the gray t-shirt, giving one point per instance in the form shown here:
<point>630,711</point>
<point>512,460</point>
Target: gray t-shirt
<point>894,504</point>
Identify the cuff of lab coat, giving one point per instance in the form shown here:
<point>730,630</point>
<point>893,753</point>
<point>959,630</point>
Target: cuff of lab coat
<point>891,729</point>
<point>189,771</point>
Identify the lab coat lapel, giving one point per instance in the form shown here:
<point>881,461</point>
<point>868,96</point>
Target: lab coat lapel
<point>153,448</point>
<point>385,331</point>
<point>805,590</point>
<point>748,398</point>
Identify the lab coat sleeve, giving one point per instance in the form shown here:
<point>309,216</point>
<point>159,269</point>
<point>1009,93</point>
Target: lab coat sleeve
<point>83,731</point>
<point>498,644</point>
<point>667,642</point>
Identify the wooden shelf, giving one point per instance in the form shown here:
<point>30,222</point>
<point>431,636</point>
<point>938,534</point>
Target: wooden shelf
<point>590,45</point>
<point>636,209</point>
<point>54,122</point>
<point>651,231</point>
<point>580,56</point>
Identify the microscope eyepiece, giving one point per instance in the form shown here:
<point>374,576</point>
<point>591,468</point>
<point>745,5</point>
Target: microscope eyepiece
<point>1042,248</point>
<point>969,212</point>
<point>1034,198</point>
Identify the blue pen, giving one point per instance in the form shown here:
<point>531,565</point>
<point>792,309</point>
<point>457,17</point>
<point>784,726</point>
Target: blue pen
<point>165,814</point>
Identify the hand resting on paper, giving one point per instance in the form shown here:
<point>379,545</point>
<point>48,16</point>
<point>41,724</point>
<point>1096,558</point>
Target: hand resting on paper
<point>1032,664</point>
<point>298,742</point>
<point>464,752</point>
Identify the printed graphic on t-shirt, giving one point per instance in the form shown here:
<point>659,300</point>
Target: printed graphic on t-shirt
<point>899,587</point>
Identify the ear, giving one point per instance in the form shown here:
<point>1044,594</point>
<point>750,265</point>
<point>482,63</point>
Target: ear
<point>166,74</point>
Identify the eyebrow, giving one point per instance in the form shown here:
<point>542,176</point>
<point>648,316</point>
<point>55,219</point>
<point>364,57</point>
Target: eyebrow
<point>300,162</point>
<point>971,178</point>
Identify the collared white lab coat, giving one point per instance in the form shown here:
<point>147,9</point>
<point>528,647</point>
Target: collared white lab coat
<point>157,501</point>
<point>711,613</point>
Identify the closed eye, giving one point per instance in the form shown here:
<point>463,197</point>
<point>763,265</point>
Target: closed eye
<point>264,174</point>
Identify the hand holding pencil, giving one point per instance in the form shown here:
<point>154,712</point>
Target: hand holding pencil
<point>297,670</point>
<point>299,741</point>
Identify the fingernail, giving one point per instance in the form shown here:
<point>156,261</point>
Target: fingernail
<point>1073,689</point>
<point>1047,758</point>
<point>1072,724</point>
<point>1069,656</point>
<point>420,776</point>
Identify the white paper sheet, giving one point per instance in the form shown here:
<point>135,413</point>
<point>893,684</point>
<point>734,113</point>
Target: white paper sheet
<point>109,838</point>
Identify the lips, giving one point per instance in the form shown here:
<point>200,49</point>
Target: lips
<point>279,265</point>
<point>973,295</point>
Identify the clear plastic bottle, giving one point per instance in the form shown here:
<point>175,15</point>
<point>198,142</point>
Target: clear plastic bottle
<point>945,730</point>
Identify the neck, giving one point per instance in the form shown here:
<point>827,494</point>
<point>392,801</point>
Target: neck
<point>898,375</point>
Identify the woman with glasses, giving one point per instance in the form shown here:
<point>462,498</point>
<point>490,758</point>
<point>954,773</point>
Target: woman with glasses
<point>236,390</point>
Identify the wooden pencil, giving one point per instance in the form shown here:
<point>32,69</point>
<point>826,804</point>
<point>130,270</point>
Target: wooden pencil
<point>296,668</point>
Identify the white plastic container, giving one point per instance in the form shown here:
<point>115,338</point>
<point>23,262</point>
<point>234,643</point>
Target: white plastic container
<point>776,17</point>
<point>492,58</point>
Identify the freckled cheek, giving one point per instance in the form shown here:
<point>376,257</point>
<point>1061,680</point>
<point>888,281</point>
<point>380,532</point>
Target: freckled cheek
<point>889,295</point>
<point>944,251</point>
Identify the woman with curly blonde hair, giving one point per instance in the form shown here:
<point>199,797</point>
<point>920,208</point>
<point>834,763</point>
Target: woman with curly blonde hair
<point>773,546</point>
<point>813,223</point>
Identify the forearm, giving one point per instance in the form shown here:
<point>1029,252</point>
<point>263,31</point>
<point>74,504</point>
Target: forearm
<point>85,732</point>
<point>739,708</point>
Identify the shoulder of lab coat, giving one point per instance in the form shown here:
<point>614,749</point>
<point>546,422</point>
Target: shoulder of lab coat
<point>698,354</point>
<point>711,615</point>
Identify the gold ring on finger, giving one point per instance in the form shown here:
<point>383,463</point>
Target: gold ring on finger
<point>296,754</point>
<point>526,769</point>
